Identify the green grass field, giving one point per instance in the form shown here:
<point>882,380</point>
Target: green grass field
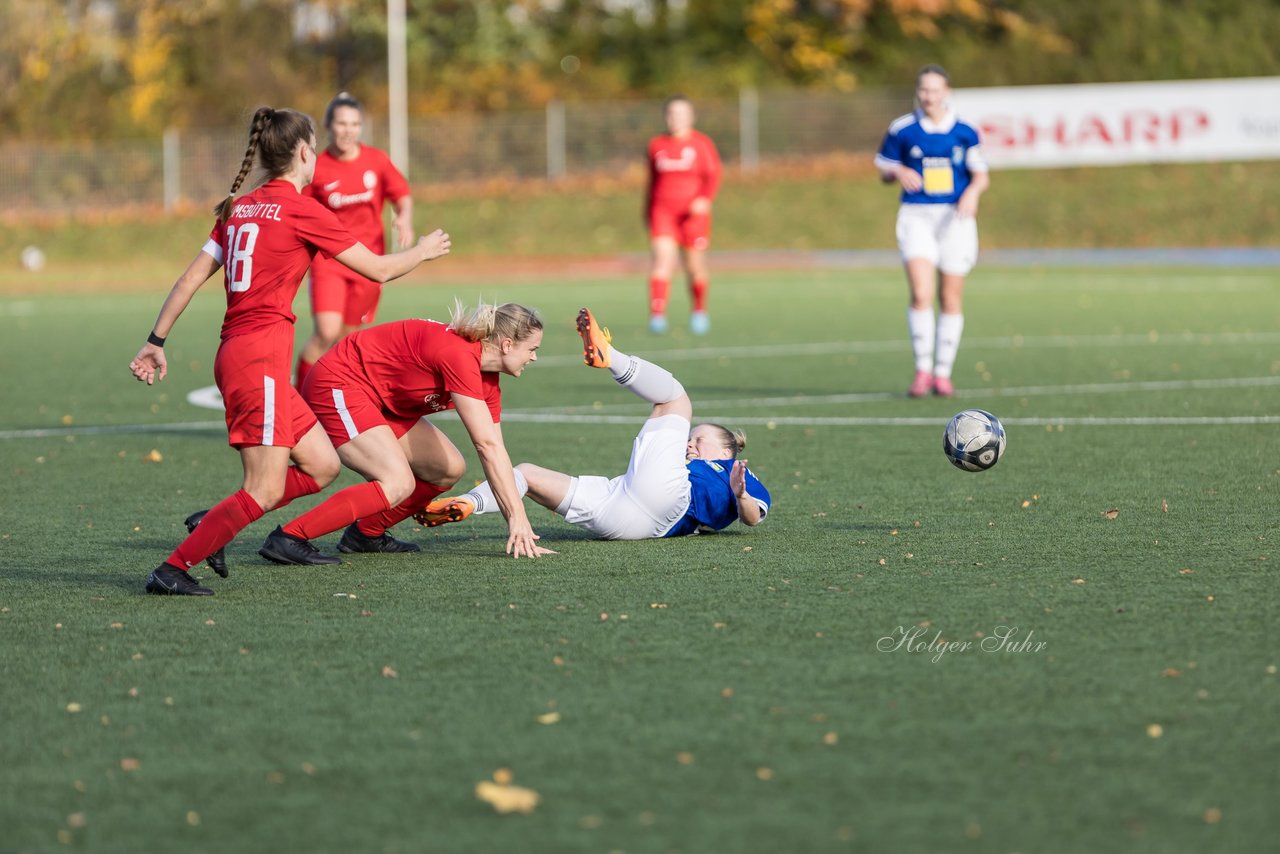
<point>723,693</point>
<point>838,204</point>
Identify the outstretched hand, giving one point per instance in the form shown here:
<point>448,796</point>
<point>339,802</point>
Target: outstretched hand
<point>525,543</point>
<point>435,244</point>
<point>149,365</point>
<point>738,478</point>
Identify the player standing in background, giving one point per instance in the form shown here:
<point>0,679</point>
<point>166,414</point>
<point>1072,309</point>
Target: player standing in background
<point>266,240</point>
<point>936,159</point>
<point>684,175</point>
<point>353,180</point>
<point>371,392</point>
<point>680,481</point>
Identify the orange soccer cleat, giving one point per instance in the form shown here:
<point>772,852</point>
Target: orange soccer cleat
<point>595,341</point>
<point>442,511</point>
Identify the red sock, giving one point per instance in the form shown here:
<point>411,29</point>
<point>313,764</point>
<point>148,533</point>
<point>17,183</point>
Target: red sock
<point>219,526</point>
<point>300,372</point>
<point>659,292</point>
<point>297,483</point>
<point>339,510</point>
<point>377,525</point>
<point>698,290</point>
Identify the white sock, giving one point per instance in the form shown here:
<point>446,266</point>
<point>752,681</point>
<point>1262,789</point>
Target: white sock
<point>949,328</point>
<point>482,496</point>
<point>644,379</point>
<point>921,325</point>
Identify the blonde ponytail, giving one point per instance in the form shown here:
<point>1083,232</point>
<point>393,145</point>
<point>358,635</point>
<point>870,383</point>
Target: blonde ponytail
<point>493,322</point>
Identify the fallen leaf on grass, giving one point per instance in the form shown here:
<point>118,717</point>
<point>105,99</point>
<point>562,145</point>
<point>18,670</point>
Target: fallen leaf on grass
<point>549,718</point>
<point>1111,513</point>
<point>154,456</point>
<point>1164,506</point>
<point>1171,672</point>
<point>389,672</point>
<point>505,798</point>
<point>129,764</point>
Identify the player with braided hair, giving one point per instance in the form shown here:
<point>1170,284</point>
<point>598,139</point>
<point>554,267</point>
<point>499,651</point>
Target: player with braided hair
<point>265,241</point>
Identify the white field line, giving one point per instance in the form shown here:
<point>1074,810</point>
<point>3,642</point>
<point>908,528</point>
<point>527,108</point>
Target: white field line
<point>881,396</point>
<point>1008,342</point>
<point>596,416</point>
<point>775,421</point>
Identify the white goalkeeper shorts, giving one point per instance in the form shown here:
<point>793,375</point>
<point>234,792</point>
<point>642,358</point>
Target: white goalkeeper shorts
<point>649,499</point>
<point>939,235</point>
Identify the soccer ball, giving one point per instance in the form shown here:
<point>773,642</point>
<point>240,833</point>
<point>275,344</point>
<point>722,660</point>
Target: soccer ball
<point>973,440</point>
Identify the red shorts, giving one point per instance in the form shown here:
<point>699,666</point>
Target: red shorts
<point>692,231</point>
<point>252,372</point>
<point>336,287</point>
<point>346,408</point>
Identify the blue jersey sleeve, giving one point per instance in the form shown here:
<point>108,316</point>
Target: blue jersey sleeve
<point>712,504</point>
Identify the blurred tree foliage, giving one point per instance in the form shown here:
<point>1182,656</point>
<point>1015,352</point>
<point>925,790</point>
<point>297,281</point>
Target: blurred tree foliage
<point>131,67</point>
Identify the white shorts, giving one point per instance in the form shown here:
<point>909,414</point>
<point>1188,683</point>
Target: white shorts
<point>937,234</point>
<point>649,499</point>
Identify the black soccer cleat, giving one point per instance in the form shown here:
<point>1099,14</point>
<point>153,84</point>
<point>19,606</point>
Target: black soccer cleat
<point>282,548</point>
<point>166,580</point>
<point>218,560</point>
<point>354,540</point>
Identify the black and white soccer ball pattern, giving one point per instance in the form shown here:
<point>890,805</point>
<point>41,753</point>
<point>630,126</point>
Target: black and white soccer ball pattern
<point>974,440</point>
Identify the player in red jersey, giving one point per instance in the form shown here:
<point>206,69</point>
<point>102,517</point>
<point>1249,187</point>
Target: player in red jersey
<point>265,240</point>
<point>371,392</point>
<point>353,180</point>
<point>684,175</point>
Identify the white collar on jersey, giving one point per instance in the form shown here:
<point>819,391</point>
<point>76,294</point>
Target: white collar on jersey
<point>930,126</point>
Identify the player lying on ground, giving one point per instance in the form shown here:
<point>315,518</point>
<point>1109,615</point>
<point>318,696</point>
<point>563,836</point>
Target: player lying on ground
<point>680,481</point>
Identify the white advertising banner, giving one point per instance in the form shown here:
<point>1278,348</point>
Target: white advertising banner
<point>1112,123</point>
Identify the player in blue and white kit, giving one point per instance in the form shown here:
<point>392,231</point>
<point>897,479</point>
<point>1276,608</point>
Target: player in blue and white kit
<point>680,481</point>
<point>937,160</point>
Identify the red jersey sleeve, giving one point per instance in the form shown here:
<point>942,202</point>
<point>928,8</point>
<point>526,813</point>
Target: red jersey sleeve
<point>493,394</point>
<point>709,159</point>
<point>395,185</point>
<point>319,227</point>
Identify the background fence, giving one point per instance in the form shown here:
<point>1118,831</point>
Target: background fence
<point>195,166</point>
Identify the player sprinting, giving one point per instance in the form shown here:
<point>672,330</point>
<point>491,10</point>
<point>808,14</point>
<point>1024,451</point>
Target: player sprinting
<point>684,176</point>
<point>354,181</point>
<point>937,160</point>
<point>265,241</point>
<point>371,392</point>
<point>680,481</point>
